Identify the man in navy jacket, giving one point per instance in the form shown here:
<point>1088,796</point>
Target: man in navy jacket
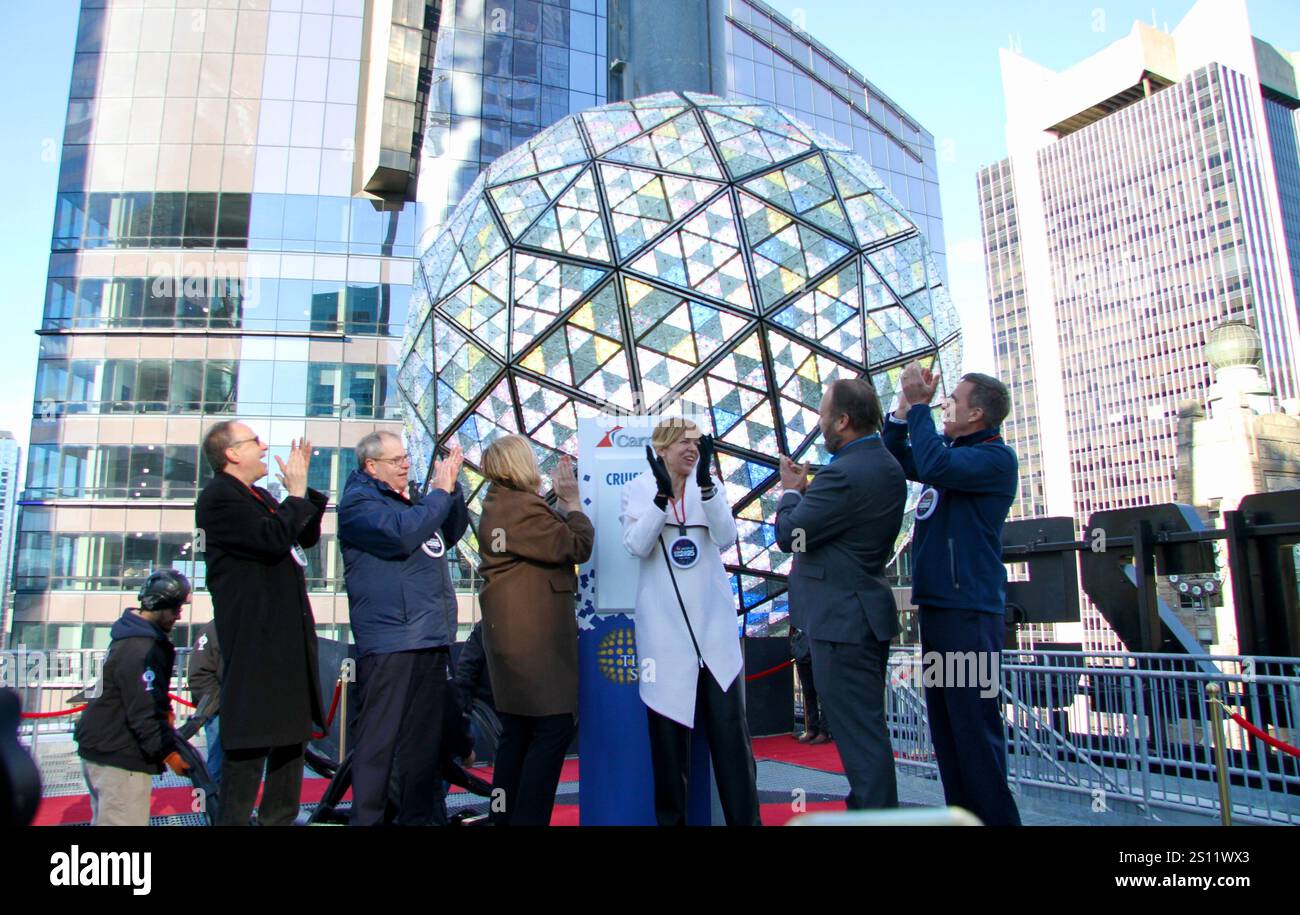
<point>958,579</point>
<point>403,614</point>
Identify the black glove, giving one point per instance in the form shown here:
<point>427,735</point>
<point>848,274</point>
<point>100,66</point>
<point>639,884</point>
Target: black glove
<point>704,466</point>
<point>662,479</point>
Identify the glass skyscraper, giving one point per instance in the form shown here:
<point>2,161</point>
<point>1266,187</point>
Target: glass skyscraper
<point>10,455</point>
<point>1151,194</point>
<point>245,187</point>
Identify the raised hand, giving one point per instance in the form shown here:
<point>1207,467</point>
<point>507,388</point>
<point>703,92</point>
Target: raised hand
<point>663,480</point>
<point>293,473</point>
<point>794,476</point>
<point>918,384</point>
<point>447,470</point>
<point>305,447</point>
<point>564,480</point>
<point>704,466</point>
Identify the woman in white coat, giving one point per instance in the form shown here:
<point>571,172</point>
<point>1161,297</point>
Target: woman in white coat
<point>676,521</point>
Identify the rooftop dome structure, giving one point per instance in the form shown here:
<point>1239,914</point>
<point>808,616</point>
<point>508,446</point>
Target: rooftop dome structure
<point>681,251</point>
<point>1234,343</point>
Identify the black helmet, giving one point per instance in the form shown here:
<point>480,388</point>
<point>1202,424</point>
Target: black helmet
<point>164,589</point>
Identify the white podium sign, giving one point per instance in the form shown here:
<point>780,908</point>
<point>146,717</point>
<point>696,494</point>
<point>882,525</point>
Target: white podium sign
<point>611,453</point>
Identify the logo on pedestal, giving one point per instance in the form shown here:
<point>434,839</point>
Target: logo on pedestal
<point>616,656</point>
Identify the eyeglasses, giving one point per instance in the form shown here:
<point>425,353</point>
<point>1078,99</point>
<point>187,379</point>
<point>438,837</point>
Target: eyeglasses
<point>400,459</point>
<point>245,441</point>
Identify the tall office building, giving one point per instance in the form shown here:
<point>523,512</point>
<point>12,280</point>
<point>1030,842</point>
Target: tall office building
<point>1152,192</point>
<point>10,458</point>
<point>244,190</point>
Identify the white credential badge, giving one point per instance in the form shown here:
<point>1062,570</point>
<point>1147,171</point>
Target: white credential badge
<point>299,555</point>
<point>684,553</point>
<point>434,546</point>
<point>928,502</point>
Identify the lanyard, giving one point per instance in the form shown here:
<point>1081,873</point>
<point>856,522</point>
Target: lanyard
<point>851,444</point>
<point>259,498</point>
<point>680,519</point>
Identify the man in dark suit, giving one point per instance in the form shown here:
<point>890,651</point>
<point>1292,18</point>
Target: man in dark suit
<point>841,529</point>
<point>256,565</point>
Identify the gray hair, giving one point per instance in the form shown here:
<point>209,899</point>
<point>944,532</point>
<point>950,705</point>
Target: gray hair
<point>372,445</point>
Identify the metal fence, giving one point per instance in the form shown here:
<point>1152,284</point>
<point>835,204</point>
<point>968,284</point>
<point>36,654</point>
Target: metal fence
<point>58,680</point>
<point>1130,732</point>
<point>1116,731</point>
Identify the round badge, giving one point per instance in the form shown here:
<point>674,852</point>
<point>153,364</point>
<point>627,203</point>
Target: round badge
<point>434,546</point>
<point>148,677</point>
<point>926,505</point>
<point>684,553</point>
<point>299,555</point>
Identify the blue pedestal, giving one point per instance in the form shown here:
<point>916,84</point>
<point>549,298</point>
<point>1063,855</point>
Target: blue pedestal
<point>616,782</point>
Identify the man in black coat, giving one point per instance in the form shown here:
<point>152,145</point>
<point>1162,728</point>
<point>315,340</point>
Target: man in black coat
<point>256,565</point>
<point>841,529</point>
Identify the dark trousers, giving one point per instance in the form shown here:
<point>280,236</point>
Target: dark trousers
<point>526,770</point>
<point>399,725</point>
<point>851,680</point>
<point>967,728</point>
<point>722,716</point>
<point>814,713</point>
<point>241,776</point>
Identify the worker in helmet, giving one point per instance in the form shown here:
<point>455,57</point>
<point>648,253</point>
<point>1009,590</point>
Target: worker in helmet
<point>125,736</point>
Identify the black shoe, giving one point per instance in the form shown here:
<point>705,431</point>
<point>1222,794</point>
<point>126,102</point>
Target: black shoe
<point>806,736</point>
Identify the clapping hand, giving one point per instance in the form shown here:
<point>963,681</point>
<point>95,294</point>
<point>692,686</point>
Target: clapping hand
<point>447,470</point>
<point>293,474</point>
<point>663,480</point>
<point>919,384</point>
<point>704,466</point>
<point>564,480</point>
<point>794,476</point>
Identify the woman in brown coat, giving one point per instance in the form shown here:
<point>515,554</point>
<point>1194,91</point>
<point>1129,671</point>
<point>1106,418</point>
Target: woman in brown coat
<point>530,633</point>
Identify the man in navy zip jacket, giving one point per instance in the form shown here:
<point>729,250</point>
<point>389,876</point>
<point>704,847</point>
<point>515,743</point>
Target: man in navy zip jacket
<point>402,607</point>
<point>958,579</point>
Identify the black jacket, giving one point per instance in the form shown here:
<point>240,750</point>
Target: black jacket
<point>270,691</point>
<point>472,680</point>
<point>126,724</point>
<point>205,671</point>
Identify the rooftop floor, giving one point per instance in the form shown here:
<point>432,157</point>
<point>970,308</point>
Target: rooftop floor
<point>786,770</point>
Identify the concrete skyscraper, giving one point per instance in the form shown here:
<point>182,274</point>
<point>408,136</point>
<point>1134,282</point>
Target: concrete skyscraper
<point>245,188</point>
<point>1152,192</point>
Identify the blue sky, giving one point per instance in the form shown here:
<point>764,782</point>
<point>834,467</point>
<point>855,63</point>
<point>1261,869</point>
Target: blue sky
<point>939,60</point>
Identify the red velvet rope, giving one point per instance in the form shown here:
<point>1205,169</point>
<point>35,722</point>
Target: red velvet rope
<point>771,670</point>
<point>1261,734</point>
<point>82,708</point>
<point>329,719</point>
<point>71,711</point>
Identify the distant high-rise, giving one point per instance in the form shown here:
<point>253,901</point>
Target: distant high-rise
<point>1152,192</point>
<point>244,189</point>
<point>10,457</point>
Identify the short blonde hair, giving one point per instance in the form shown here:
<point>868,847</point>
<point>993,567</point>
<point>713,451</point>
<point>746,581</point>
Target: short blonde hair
<point>671,431</point>
<point>510,461</point>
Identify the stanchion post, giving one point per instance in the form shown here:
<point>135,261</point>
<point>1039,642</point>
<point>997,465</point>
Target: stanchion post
<point>343,718</point>
<point>1220,752</point>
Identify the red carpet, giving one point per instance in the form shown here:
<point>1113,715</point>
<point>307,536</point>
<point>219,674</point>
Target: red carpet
<point>56,811</point>
<point>784,748</point>
<point>75,808</point>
